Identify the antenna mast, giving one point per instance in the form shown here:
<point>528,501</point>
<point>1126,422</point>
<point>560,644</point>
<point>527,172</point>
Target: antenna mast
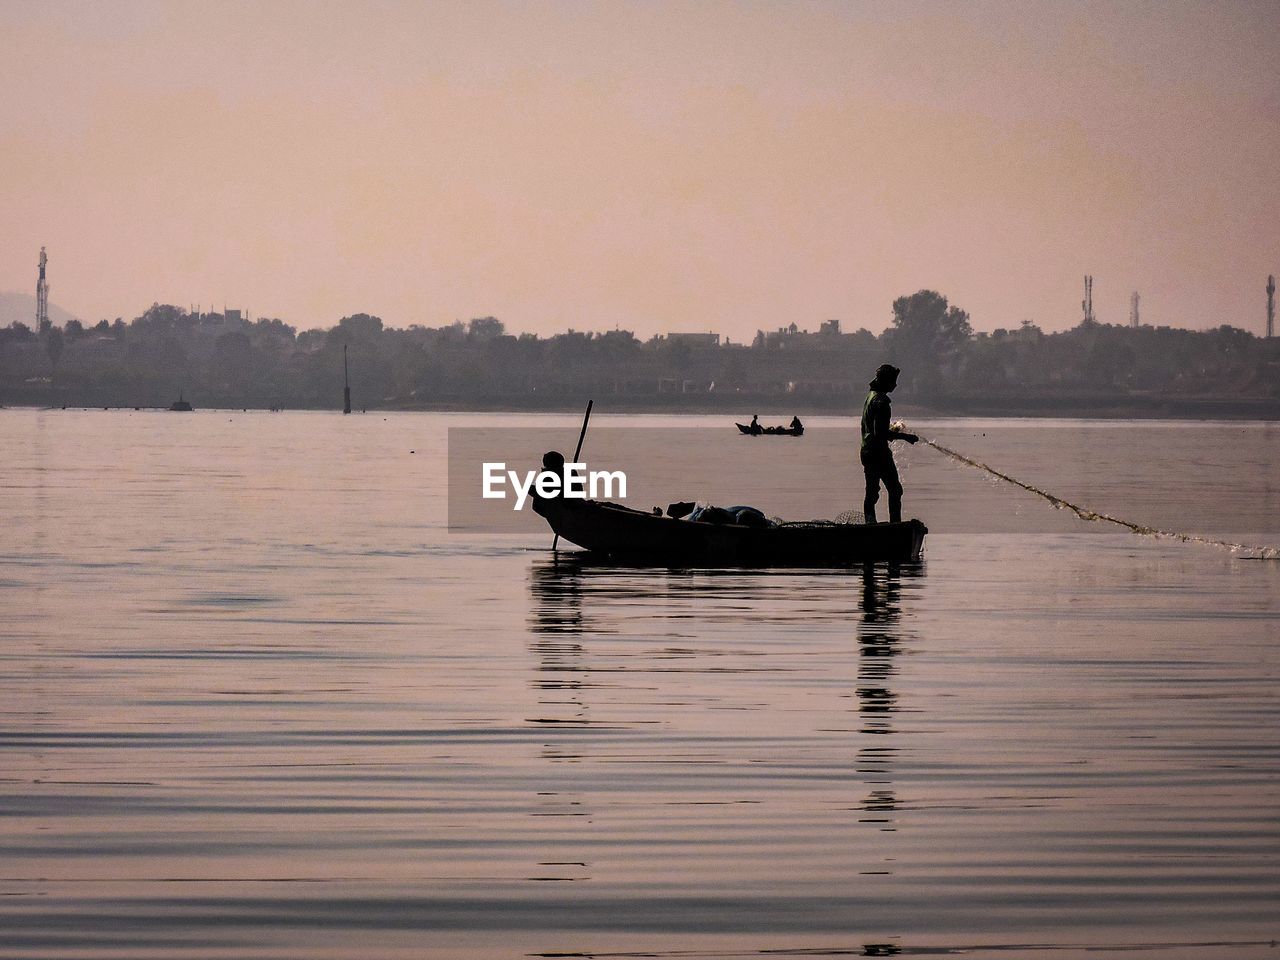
<point>1271,307</point>
<point>42,296</point>
<point>1087,303</point>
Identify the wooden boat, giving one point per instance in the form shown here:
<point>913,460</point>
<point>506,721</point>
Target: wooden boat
<point>769,431</point>
<point>612,530</point>
<point>180,405</point>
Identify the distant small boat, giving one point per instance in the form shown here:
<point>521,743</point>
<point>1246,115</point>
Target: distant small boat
<point>180,405</point>
<point>770,431</point>
<point>612,530</point>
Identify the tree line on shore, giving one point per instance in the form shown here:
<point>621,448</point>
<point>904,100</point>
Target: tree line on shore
<point>224,360</point>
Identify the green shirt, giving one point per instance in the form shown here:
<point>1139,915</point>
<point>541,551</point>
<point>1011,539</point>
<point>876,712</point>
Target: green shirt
<point>875,421</point>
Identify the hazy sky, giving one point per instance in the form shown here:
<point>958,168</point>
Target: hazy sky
<point>659,166</point>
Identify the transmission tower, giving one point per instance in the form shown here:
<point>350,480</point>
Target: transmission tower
<point>1271,307</point>
<point>1133,310</point>
<point>1087,303</point>
<point>42,296</point>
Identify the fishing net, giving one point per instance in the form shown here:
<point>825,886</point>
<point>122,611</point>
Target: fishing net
<point>1084,513</point>
<point>848,518</point>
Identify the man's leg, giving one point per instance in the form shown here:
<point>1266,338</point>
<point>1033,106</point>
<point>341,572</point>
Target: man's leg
<point>872,476</point>
<point>893,487</point>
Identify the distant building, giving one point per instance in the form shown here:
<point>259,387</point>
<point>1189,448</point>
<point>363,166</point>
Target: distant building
<point>703,340</point>
<point>218,324</point>
<point>791,337</point>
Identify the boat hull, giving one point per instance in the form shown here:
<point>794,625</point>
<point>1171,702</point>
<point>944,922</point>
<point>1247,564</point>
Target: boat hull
<point>621,533</point>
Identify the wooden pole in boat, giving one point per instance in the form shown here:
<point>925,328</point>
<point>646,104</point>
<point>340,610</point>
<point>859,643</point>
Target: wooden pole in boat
<point>577,452</point>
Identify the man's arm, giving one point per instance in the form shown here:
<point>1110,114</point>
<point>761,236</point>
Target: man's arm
<point>881,415</point>
<point>893,432</point>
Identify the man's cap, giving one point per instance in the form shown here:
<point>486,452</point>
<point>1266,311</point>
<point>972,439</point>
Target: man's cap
<point>887,371</point>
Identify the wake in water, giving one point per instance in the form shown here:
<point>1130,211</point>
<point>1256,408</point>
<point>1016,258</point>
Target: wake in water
<point>1084,513</point>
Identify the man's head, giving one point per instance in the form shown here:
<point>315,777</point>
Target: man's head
<point>886,377</point>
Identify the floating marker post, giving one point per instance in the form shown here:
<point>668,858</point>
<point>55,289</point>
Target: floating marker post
<point>346,383</point>
<point>577,452</point>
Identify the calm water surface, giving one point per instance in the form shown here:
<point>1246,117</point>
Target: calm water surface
<point>257,701</point>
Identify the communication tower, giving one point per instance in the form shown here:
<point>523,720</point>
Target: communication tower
<point>1133,310</point>
<point>1087,303</point>
<point>42,296</point>
<point>1271,307</point>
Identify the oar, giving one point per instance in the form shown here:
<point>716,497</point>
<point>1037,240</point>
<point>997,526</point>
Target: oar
<point>577,451</point>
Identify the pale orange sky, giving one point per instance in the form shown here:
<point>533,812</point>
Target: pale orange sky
<point>658,166</point>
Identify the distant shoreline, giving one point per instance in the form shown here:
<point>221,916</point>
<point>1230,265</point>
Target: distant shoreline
<point>1102,408</point>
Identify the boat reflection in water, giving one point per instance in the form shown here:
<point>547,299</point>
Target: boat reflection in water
<point>556,629</point>
<point>726,736</point>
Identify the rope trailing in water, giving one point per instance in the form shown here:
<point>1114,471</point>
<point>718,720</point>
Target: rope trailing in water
<point>1084,513</point>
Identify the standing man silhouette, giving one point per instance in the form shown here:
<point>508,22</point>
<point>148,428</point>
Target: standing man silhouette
<point>876,457</point>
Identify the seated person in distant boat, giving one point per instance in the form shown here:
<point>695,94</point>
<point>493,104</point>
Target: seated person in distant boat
<point>796,425</point>
<point>755,427</point>
<point>877,459</point>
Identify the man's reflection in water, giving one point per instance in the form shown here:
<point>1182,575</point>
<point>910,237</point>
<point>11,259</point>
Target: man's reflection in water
<point>879,643</point>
